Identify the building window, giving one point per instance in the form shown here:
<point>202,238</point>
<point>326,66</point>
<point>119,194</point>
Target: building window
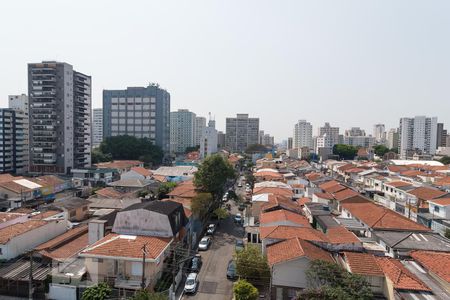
<point>436,208</point>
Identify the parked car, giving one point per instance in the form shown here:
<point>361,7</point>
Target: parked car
<point>239,184</point>
<point>191,285</point>
<point>231,270</point>
<point>204,244</point>
<point>196,264</point>
<point>211,229</point>
<point>239,245</point>
<point>238,218</point>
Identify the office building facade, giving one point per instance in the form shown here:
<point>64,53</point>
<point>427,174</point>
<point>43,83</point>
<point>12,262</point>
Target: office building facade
<point>241,132</point>
<point>60,118</point>
<point>199,128</point>
<point>379,133</point>
<point>441,136</point>
<point>143,112</point>
<point>97,127</point>
<point>417,134</point>
<point>331,132</point>
<point>182,130</point>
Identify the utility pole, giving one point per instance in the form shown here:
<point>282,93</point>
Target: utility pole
<point>144,252</point>
<point>30,281</point>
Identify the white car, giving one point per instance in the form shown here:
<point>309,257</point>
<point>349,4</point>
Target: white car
<point>204,244</point>
<point>211,229</point>
<point>238,218</point>
<point>191,285</point>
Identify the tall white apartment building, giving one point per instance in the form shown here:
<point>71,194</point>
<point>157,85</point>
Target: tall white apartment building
<point>360,141</point>
<point>209,140</point>
<point>60,118</point>
<point>323,141</point>
<point>19,103</point>
<point>199,128</point>
<point>97,127</point>
<point>379,133</point>
<point>303,135</point>
<point>355,131</point>
<point>331,132</point>
<point>392,138</point>
<point>241,132</point>
<point>417,134</point>
<point>182,130</point>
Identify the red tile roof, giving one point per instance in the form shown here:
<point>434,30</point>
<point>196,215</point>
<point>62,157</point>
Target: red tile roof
<point>379,217</point>
<point>294,248</point>
<point>65,245</point>
<point>435,262</point>
<point>398,183</point>
<point>9,232</point>
<point>115,245</point>
<point>141,170</point>
<point>303,200</point>
<point>313,176</point>
<point>5,217</point>
<point>185,189</point>
<point>268,174</point>
<point>283,215</point>
<point>345,194</point>
<point>346,167</point>
<point>426,193</point>
<point>441,201</point>
<point>340,235</point>
<point>7,177</point>
<point>119,164</point>
<point>328,184</point>
<point>363,264</point>
<point>109,192</point>
<point>327,196</point>
<point>45,214</point>
<point>287,232</point>
<point>401,278</point>
<point>273,190</point>
<point>335,189</point>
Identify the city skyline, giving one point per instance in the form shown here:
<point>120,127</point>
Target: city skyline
<point>279,61</point>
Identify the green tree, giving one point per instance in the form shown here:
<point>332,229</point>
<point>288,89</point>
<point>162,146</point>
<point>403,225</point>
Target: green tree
<point>445,160</point>
<point>252,265</point>
<point>380,150</point>
<point>201,204</point>
<point>329,281</point>
<point>146,295</point>
<point>100,291</point>
<point>256,148</point>
<point>220,213</point>
<point>345,151</point>
<point>98,156</point>
<point>250,179</point>
<point>130,147</point>
<point>213,174</point>
<point>447,233</point>
<point>244,290</point>
<point>165,188</point>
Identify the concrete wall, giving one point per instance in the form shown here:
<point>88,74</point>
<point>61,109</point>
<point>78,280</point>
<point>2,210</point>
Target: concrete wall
<point>142,222</point>
<point>291,274</point>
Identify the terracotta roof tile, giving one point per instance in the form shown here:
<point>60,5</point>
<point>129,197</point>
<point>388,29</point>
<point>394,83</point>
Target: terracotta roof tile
<point>286,232</point>
<point>65,245</point>
<point>6,177</point>
<point>295,248</point>
<point>340,235</point>
<point>441,201</point>
<point>6,217</point>
<point>398,184</point>
<point>184,190</point>
<point>268,174</point>
<point>45,214</point>
<point>303,200</point>
<point>426,193</point>
<point>17,229</point>
<point>14,187</point>
<point>115,245</point>
<point>401,278</point>
<point>327,196</point>
<point>274,191</point>
<point>141,170</point>
<point>435,262</point>
<point>345,194</point>
<point>328,184</point>
<point>363,264</point>
<point>108,192</point>
<point>283,215</point>
<point>378,217</point>
<point>335,189</point>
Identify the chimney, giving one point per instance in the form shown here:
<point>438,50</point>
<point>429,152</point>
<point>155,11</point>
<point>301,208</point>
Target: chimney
<point>96,230</point>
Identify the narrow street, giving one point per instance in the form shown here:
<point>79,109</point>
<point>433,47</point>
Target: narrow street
<point>213,283</point>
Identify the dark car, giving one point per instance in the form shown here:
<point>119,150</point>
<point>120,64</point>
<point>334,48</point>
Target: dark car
<point>196,264</point>
<point>239,245</point>
<point>231,270</point>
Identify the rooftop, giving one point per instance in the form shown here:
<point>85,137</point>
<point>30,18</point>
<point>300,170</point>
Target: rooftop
<point>127,246</point>
<point>283,216</point>
<point>6,217</point>
<point>413,240</point>
<point>401,277</point>
<point>9,232</point>
<point>427,193</point>
<point>294,248</point>
<point>286,232</point>
<point>435,262</point>
<point>363,264</point>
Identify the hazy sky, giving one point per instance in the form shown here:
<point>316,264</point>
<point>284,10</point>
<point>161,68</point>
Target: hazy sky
<point>352,63</point>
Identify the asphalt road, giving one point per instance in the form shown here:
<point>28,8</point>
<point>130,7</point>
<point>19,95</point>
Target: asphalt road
<point>213,283</point>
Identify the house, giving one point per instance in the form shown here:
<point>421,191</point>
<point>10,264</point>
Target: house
<point>439,215</point>
<point>121,166</point>
<point>137,173</point>
<point>19,238</point>
<point>117,258</point>
<point>365,265</point>
<point>131,185</point>
<point>437,264</point>
<point>94,177</point>
<point>76,208</point>
<point>185,190</point>
<point>400,283</point>
<point>17,191</point>
<point>10,218</point>
<point>110,192</point>
<point>288,261</point>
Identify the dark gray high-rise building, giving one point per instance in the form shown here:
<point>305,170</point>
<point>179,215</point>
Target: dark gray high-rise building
<point>241,132</point>
<point>60,118</point>
<point>441,139</point>
<point>143,112</point>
